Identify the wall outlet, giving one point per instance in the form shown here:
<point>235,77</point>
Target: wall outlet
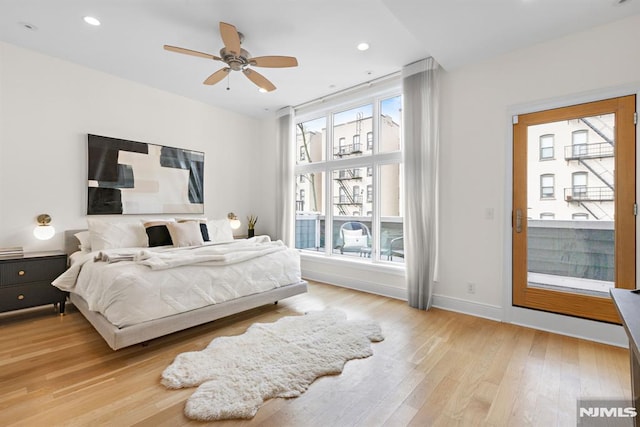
<point>471,288</point>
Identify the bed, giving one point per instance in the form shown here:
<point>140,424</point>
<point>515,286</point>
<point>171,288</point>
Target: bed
<point>134,294</point>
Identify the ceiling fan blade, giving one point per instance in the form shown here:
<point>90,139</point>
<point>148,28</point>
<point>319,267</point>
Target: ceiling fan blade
<point>230,38</point>
<point>274,61</point>
<point>217,76</point>
<point>191,52</point>
<point>260,80</point>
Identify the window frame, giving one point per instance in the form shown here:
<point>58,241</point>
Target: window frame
<point>544,138</point>
<point>372,160</point>
<point>543,196</point>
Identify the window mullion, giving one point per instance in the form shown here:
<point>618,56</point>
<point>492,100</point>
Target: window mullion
<point>328,209</point>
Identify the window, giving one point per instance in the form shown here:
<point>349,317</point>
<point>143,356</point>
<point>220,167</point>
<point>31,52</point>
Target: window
<point>547,186</point>
<point>342,196</point>
<point>356,192</point>
<point>579,143</point>
<point>310,140</point>
<point>300,200</point>
<point>547,215</point>
<point>357,189</point>
<point>580,216</point>
<point>356,143</point>
<point>342,146</point>
<point>547,147</point>
<point>579,185</point>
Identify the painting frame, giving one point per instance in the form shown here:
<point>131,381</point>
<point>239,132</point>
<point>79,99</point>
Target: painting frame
<point>127,177</point>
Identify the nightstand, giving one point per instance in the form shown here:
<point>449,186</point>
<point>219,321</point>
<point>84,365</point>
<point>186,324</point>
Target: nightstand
<point>26,281</point>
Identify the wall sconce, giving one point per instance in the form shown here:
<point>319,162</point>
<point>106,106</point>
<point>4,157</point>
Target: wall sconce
<point>44,231</point>
<point>233,220</point>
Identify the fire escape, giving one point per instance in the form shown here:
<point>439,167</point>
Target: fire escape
<point>590,156</point>
<point>346,197</point>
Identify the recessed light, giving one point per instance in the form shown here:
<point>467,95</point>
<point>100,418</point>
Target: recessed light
<point>363,46</point>
<point>91,20</point>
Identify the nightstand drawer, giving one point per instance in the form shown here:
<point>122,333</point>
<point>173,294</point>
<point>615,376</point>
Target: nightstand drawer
<point>29,295</point>
<point>32,270</point>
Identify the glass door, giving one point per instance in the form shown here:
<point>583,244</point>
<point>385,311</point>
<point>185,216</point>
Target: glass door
<point>573,207</point>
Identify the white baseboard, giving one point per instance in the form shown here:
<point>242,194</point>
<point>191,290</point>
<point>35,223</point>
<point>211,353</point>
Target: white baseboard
<point>358,285</point>
<point>472,308</point>
<point>605,333</point>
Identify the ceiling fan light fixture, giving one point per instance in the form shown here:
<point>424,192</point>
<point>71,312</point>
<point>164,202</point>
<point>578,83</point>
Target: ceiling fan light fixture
<point>262,90</point>
<point>91,21</point>
<point>363,46</point>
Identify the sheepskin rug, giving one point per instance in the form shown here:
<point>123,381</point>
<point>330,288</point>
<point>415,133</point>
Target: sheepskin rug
<point>237,374</point>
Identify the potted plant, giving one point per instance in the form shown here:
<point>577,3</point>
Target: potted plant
<point>251,225</point>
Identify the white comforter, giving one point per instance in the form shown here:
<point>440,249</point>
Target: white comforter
<point>159,282</point>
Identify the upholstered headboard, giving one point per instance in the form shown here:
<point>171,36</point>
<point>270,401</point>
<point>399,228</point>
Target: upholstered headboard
<point>71,242</point>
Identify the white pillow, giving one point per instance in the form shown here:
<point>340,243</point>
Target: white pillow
<point>220,231</point>
<point>84,237</point>
<point>202,223</point>
<point>185,233</point>
<point>354,239</point>
<point>111,235</point>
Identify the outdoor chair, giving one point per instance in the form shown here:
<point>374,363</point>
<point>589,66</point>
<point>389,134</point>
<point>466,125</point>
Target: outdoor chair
<point>355,237</point>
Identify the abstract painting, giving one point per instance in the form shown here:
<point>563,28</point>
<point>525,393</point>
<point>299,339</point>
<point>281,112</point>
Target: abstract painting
<point>129,177</point>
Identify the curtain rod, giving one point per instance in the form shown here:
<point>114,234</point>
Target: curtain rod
<point>349,89</point>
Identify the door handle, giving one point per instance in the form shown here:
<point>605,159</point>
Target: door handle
<point>518,221</point>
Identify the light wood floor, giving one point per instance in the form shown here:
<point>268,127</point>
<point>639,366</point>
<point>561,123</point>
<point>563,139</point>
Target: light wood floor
<point>434,368</point>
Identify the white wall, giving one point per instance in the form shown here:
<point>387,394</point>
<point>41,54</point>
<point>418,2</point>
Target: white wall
<point>477,102</point>
<point>47,107</point>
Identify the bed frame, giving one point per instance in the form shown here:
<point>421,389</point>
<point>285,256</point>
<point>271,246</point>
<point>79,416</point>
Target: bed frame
<point>123,337</point>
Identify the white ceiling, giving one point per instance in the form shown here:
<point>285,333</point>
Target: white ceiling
<point>322,34</point>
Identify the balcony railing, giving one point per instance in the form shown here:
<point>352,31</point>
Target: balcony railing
<point>348,150</point>
<point>588,151</point>
<point>344,200</point>
<point>578,249</point>
<point>345,174</point>
<point>310,234</point>
<point>588,194</point>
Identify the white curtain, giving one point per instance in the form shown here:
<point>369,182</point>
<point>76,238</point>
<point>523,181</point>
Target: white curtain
<point>421,128</point>
<point>285,188</point>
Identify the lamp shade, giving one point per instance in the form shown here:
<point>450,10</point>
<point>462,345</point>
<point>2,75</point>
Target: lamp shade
<point>44,232</point>
<point>233,220</point>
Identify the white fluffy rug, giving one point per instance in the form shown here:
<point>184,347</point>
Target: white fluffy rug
<point>237,374</point>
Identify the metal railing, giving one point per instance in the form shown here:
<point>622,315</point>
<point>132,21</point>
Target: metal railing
<point>348,149</point>
<point>588,151</point>
<point>346,200</point>
<point>588,194</point>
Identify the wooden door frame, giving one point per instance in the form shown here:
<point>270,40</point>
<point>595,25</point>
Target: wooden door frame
<point>580,305</point>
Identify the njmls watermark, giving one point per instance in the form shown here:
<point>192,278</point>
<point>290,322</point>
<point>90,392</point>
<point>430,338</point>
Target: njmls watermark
<point>605,412</point>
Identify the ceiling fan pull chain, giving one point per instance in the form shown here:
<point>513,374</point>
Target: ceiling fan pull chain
<point>228,78</point>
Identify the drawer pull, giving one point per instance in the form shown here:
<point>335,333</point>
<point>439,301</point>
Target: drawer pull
<point>21,273</point>
<point>20,297</point>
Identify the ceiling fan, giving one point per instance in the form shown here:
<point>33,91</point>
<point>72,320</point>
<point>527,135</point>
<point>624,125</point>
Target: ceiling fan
<point>238,59</point>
